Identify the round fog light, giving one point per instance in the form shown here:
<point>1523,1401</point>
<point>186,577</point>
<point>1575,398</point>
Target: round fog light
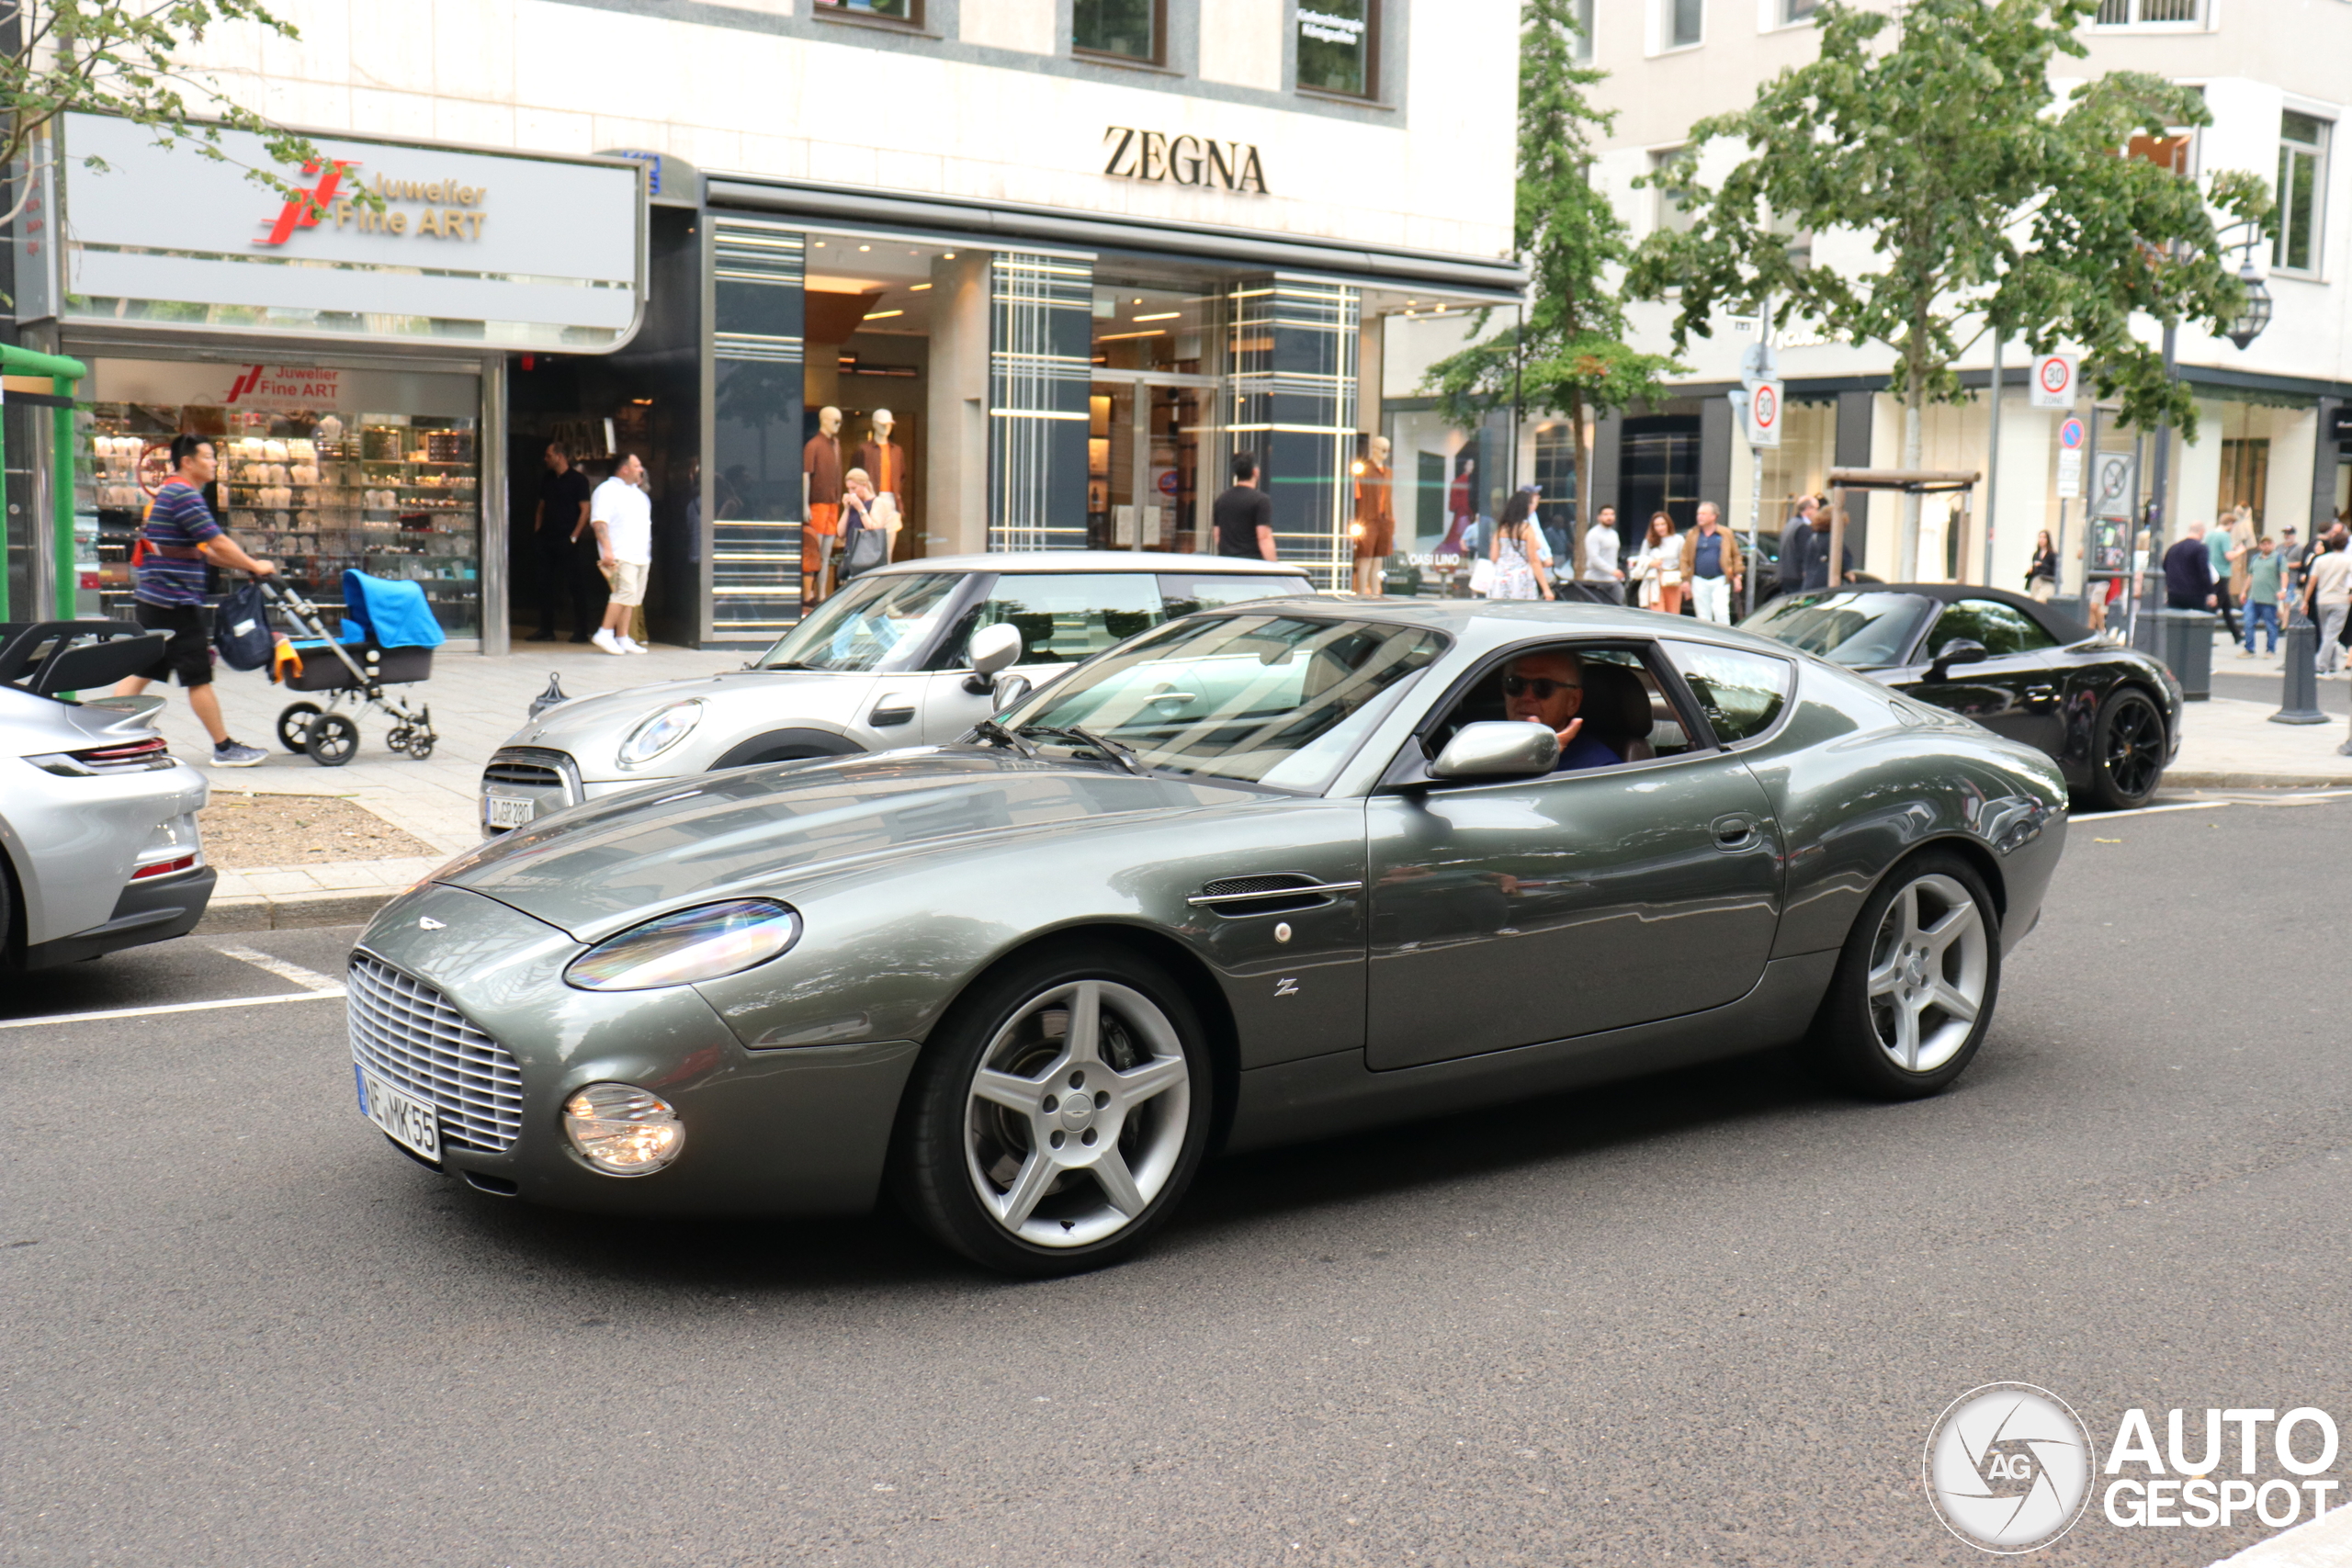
<point>623,1129</point>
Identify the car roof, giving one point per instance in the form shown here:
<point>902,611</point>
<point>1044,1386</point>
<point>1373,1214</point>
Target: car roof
<point>1097,561</point>
<point>2050,619</point>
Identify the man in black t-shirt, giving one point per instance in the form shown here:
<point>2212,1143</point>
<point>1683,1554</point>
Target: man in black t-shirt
<point>1245,514</point>
<point>556,526</point>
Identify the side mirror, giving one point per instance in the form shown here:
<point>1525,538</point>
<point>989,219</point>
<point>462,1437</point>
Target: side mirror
<point>1497,749</point>
<point>993,648</point>
<point>1959,651</point>
<point>1008,690</point>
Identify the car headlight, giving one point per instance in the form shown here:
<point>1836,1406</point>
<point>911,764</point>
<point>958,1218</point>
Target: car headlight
<point>623,1129</point>
<point>660,730</point>
<point>693,944</point>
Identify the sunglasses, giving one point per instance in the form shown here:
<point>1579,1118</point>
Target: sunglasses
<point>1521,686</point>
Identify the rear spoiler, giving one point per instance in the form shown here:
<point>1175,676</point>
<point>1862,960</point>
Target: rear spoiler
<point>49,657</point>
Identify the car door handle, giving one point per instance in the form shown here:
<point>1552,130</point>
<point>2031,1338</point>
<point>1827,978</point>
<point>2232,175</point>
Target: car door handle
<point>890,710</point>
<point>1736,832</point>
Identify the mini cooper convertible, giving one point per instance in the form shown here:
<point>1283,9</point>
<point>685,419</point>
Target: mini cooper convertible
<point>1266,873</point>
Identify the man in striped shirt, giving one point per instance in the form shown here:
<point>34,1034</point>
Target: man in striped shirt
<point>180,539</point>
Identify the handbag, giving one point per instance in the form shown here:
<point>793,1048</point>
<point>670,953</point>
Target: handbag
<point>241,628</point>
<point>864,549</point>
<point>1482,576</point>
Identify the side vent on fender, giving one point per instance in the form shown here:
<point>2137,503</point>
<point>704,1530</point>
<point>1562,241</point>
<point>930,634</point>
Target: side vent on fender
<point>1274,893</point>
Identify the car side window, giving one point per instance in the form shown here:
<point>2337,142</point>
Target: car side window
<point>1619,698</point>
<point>1741,692</point>
<point>1063,617</point>
<point>1189,590</point>
<point>2002,628</point>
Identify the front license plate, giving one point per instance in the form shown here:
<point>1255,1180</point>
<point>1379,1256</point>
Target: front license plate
<point>408,1121</point>
<point>508,810</point>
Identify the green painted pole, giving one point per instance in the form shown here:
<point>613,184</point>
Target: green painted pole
<point>4,519</point>
<point>63,373</point>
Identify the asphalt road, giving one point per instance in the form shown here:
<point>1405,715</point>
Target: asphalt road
<point>1704,1317</point>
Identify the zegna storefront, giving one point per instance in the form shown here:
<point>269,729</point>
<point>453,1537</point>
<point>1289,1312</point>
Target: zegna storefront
<point>348,356</point>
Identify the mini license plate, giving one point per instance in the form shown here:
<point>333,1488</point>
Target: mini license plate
<point>408,1121</point>
<point>508,810</point>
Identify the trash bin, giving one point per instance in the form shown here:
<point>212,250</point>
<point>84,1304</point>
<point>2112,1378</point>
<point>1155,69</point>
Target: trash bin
<point>2184,642</point>
<point>2072,606</point>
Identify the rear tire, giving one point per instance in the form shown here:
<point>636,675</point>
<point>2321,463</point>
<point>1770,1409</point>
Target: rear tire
<point>1913,994</point>
<point>293,722</point>
<point>2127,750</point>
<point>1058,1114</point>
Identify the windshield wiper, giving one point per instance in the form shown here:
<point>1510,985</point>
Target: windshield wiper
<point>790,664</point>
<point>996,734</point>
<point>1110,750</point>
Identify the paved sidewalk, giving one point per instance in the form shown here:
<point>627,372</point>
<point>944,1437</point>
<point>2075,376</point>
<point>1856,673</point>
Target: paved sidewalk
<point>477,702</point>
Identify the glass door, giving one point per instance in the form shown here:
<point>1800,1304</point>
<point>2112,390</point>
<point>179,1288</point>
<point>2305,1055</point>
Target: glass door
<point>1144,479</point>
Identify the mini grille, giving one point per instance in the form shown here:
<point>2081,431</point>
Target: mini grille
<point>407,1033</point>
<point>529,774</point>
<point>1229,886</point>
<point>1261,895</point>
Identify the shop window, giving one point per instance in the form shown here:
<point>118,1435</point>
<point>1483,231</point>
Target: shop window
<point>2246,475</point>
<point>1338,47</point>
<point>907,11</point>
<point>1555,480</point>
<point>1124,29</point>
<point>2303,182</point>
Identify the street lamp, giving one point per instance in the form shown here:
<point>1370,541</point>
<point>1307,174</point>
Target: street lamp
<point>2254,314</point>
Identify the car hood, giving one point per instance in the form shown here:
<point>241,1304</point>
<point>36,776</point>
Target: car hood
<point>592,726</point>
<point>780,827</point>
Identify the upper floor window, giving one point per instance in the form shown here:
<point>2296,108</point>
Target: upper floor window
<point>1580,15</point>
<point>908,11</point>
<point>1125,29</point>
<point>1682,23</point>
<point>1795,11</point>
<point>1338,47</point>
<point>2132,12</point>
<point>2302,192</point>
<point>1670,174</point>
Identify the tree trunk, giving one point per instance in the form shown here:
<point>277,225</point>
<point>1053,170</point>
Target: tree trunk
<point>1914,397</point>
<point>1588,504</point>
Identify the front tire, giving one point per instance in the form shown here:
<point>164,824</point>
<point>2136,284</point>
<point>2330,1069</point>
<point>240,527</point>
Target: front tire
<point>1058,1114</point>
<point>1914,989</point>
<point>2127,751</point>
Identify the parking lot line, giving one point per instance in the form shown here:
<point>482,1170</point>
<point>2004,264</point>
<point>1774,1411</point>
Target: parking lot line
<point>336,994</point>
<point>308,979</point>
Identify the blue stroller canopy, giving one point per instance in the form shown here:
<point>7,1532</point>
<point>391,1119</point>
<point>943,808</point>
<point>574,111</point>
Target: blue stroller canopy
<point>389,614</point>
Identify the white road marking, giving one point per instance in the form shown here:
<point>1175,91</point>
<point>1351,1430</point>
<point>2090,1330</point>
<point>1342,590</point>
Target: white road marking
<point>2150,810</point>
<point>308,979</point>
<point>335,995</point>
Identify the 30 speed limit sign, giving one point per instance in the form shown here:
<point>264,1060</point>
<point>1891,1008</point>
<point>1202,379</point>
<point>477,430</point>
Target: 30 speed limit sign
<point>2053,380</point>
<point>1764,414</point>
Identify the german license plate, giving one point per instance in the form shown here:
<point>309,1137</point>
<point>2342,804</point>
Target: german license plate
<point>407,1120</point>
<point>508,810</point>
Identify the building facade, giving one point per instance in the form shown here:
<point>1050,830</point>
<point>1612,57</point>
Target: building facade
<point>1054,261</point>
<point>2271,417</point>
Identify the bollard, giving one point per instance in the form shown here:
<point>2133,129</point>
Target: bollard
<point>2299,700</point>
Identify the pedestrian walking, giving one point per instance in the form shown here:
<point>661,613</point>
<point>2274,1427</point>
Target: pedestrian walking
<point>1659,567</point>
<point>1808,571</point>
<point>2218,555</point>
<point>2290,571</point>
<point>622,514</point>
<point>2042,574</point>
<point>2330,601</point>
<point>1243,517</point>
<point>2262,595</point>
<point>559,531</point>
<point>1789,575</point>
<point>1711,565</point>
<point>2189,572</point>
<point>1519,553</point>
<point>180,539</point>
<point>1604,579</point>
<point>2243,537</point>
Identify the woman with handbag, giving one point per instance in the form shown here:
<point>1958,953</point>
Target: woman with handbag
<point>1519,554</point>
<point>865,537</point>
<point>2041,577</point>
<point>1659,567</point>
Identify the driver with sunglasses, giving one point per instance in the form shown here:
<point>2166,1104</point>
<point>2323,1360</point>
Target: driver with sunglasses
<point>1547,688</point>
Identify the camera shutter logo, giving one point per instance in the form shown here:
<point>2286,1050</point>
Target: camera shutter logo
<point>2009,1467</point>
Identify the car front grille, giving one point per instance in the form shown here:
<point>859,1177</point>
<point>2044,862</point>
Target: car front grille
<point>407,1033</point>
<point>525,775</point>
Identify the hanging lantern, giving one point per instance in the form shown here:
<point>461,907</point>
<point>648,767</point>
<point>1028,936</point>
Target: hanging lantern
<point>2254,314</point>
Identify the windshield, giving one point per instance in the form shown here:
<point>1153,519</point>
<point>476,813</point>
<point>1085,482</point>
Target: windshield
<point>878,624</point>
<point>1276,700</point>
<point>1862,631</point>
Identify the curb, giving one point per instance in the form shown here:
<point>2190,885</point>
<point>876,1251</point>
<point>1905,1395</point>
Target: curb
<point>2177,779</point>
<point>293,912</point>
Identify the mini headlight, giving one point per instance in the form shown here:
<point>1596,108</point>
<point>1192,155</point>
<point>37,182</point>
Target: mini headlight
<point>623,1129</point>
<point>660,730</point>
<point>693,944</point>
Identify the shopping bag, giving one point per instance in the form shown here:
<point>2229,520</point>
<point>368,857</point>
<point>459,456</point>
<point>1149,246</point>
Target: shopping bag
<point>241,629</point>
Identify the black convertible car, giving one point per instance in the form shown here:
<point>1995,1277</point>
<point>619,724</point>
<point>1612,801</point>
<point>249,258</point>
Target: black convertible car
<point>2108,715</point>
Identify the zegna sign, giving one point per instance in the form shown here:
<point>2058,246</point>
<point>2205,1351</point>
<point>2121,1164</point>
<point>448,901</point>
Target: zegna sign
<point>1155,156</point>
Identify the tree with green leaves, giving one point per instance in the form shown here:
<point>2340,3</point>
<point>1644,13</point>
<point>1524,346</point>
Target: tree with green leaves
<point>1990,201</point>
<point>1568,355</point>
<point>118,57</point>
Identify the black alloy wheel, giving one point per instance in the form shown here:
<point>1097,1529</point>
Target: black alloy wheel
<point>332,739</point>
<point>2128,752</point>
<point>294,724</point>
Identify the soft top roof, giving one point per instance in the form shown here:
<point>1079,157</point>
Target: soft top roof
<point>2063,626</point>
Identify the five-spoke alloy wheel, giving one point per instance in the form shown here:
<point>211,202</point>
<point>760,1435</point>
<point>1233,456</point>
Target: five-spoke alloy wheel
<point>1059,1114</point>
<point>1914,987</point>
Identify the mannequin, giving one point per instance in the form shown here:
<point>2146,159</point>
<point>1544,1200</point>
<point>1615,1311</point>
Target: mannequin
<point>1375,518</point>
<point>885,461</point>
<point>821,504</point>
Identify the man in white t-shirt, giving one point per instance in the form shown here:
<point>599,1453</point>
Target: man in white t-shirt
<point>622,514</point>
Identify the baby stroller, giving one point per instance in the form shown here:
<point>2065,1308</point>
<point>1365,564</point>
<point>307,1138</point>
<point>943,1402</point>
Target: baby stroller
<point>389,636</point>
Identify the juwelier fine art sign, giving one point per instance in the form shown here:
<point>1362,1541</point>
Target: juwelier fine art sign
<point>465,246</point>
